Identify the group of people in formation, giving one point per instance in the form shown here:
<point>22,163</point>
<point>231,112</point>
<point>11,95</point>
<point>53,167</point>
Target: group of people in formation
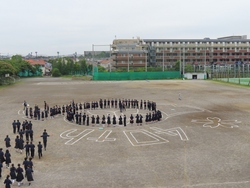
<point>24,133</point>
<point>37,113</point>
<point>73,114</point>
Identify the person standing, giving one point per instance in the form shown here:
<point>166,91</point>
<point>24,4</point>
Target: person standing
<point>32,149</point>
<point>27,149</point>
<point>7,142</point>
<point>45,136</point>
<point>40,149</point>
<point>103,121</point>
<point>108,120</point>
<point>29,175</point>
<point>7,158</point>
<point>13,173</point>
<point>25,163</point>
<point>18,125</point>
<point>140,119</point>
<point>2,159</point>
<point>131,119</point>
<point>114,121</point>
<point>17,140</point>
<point>120,120</point>
<point>14,126</point>
<point>93,120</point>
<point>7,182</point>
<point>124,120</point>
<point>97,120</point>
<point>19,175</point>
<point>87,120</point>
<point>21,146</point>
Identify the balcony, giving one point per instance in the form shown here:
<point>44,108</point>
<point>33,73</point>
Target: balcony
<point>243,51</point>
<point>218,51</point>
<point>190,57</point>
<point>218,57</point>
<point>243,57</point>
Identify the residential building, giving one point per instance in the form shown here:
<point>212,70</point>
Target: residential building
<point>166,52</point>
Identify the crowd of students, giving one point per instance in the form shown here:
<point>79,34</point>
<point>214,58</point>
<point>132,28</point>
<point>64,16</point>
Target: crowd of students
<point>23,132</point>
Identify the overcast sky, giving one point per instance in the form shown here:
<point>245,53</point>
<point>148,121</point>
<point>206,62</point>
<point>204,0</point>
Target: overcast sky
<point>69,26</point>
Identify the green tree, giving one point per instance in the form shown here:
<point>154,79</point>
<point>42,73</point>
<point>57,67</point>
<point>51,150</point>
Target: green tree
<point>6,68</point>
<point>56,72</point>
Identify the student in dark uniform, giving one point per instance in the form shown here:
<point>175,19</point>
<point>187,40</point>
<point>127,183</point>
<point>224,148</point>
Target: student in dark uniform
<point>124,121</point>
<point>45,136</point>
<point>97,120</point>
<point>7,141</point>
<point>30,163</point>
<point>27,112</point>
<point>103,121</point>
<point>18,124</point>
<point>108,120</point>
<point>84,118</point>
<point>140,119</point>
<point>27,134</point>
<point>31,135</point>
<point>17,143</point>
<point>27,149</point>
<point>120,120</point>
<point>7,182</point>
<point>19,175</point>
<point>7,158</point>
<point>14,126</point>
<point>131,119</point>
<point>114,121</point>
<point>137,119</point>
<point>21,146</point>
<point>32,149</point>
<point>29,175</point>
<point>13,173</point>
<point>87,120</point>
<point>40,150</point>
<point>25,163</point>
<point>93,120</point>
<point>80,118</point>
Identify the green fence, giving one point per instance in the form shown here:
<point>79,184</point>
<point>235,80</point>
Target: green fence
<point>136,75</point>
<point>241,81</point>
<point>29,74</point>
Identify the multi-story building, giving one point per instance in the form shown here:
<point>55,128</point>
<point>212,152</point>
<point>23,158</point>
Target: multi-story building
<point>129,53</point>
<point>166,52</point>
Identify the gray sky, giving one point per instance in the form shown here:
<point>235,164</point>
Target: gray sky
<point>69,26</point>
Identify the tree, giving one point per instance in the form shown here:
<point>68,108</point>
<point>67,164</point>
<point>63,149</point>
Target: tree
<point>6,68</point>
<point>56,72</point>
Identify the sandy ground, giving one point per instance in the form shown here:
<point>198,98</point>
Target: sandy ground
<point>201,142</point>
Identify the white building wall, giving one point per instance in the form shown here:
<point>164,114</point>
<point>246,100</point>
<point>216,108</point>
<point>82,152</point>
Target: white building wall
<point>195,75</point>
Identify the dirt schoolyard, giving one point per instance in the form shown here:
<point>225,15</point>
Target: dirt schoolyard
<point>202,141</point>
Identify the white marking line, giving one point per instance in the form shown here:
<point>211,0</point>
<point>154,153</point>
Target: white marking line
<point>159,140</point>
<point>77,137</point>
<point>172,132</point>
<point>214,122</point>
<point>209,184</point>
<point>103,137</point>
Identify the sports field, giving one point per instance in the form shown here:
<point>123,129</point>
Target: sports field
<point>203,140</point>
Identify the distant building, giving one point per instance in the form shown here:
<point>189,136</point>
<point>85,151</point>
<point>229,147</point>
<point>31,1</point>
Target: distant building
<point>45,66</point>
<point>166,52</point>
